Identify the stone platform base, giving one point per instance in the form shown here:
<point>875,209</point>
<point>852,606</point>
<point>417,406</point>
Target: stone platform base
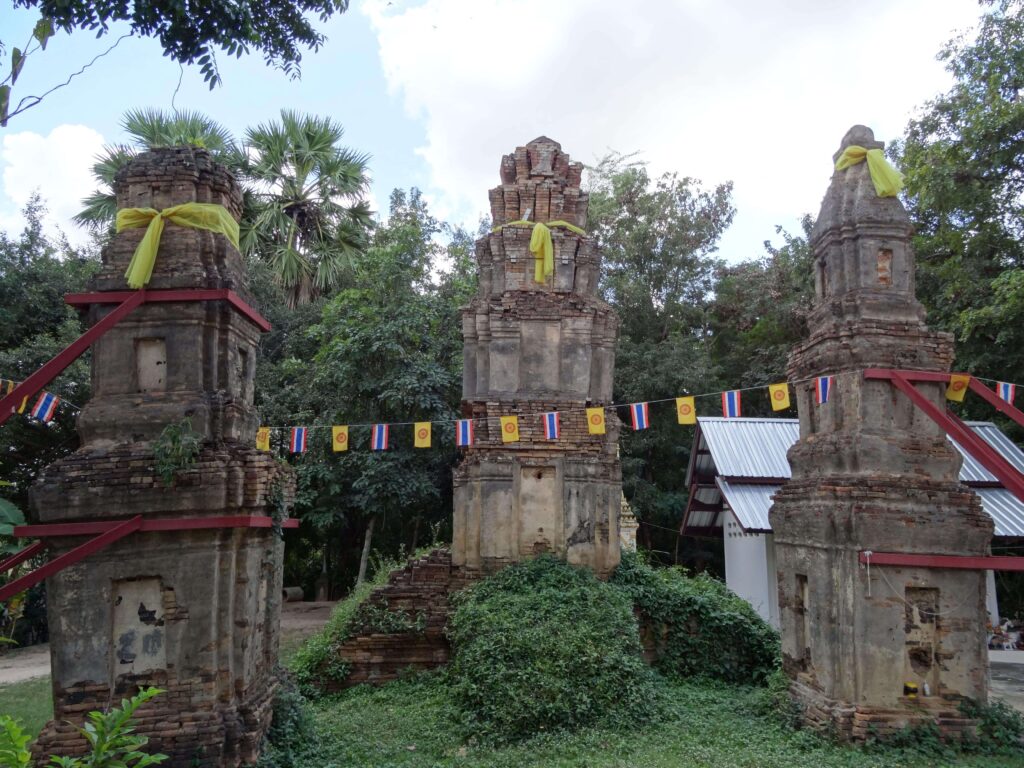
<point>414,606</point>
<point>858,724</point>
<point>223,736</point>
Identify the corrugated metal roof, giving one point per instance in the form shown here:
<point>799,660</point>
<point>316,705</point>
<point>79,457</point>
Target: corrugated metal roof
<point>756,448</point>
<point>750,447</point>
<point>750,503</point>
<point>1005,509</point>
<point>972,471</point>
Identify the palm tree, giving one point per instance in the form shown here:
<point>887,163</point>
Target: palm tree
<point>148,129</point>
<point>305,209</point>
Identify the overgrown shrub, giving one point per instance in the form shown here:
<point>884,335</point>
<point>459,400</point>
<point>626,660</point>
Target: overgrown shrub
<point>544,646</point>
<point>1000,727</point>
<point>291,730</point>
<point>700,627</point>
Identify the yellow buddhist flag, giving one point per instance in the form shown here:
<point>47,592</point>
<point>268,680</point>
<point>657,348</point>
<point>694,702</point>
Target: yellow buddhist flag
<point>421,434</point>
<point>686,410</point>
<point>595,421</point>
<point>339,438</point>
<point>24,404</point>
<point>779,395</point>
<point>263,439</point>
<point>6,386</point>
<point>509,429</point>
<point>958,383</point>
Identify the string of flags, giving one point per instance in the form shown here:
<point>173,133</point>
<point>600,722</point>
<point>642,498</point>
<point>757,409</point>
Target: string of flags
<point>465,434</point>
<point>639,413</point>
<point>45,407</point>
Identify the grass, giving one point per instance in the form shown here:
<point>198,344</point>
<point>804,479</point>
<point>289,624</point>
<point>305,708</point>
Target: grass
<point>30,701</point>
<point>414,724</point>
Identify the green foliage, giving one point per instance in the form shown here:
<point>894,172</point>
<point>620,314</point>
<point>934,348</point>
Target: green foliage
<point>384,348</point>
<point>149,129</point>
<point>700,628</point>
<point>176,449</point>
<point>291,729</point>
<point>276,29</point>
<point>10,516</point>
<point>112,743</point>
<point>415,723</point>
<point>36,271</point>
<point>543,646</point>
<point>1000,729</point>
<point>658,238</point>
<point>14,741</point>
<point>30,702</point>
<point>963,160</point>
<point>759,313</point>
<point>304,209</point>
<point>377,617</point>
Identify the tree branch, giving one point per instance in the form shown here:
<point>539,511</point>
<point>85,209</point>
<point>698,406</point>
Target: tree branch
<point>34,100</point>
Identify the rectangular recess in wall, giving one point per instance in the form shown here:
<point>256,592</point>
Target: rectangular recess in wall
<point>151,364</point>
<point>803,619</point>
<point>884,267</point>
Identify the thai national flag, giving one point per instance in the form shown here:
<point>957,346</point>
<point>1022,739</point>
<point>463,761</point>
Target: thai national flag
<point>45,407</point>
<point>731,404</point>
<point>552,429</point>
<point>298,439</point>
<point>822,388</point>
<point>638,412</point>
<point>379,441</point>
<point>464,433</point>
<point>1006,391</point>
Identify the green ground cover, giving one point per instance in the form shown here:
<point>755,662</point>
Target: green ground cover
<point>30,702</point>
<point>415,723</point>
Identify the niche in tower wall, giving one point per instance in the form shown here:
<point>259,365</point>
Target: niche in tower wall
<point>923,637</point>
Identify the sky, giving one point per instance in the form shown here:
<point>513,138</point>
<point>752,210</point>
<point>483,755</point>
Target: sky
<point>757,92</point>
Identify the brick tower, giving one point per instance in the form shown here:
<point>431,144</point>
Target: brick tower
<point>873,473</point>
<point>195,612</point>
<point>532,348</point>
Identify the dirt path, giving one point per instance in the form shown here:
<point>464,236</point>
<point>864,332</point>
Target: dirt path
<point>24,664</point>
<point>298,621</point>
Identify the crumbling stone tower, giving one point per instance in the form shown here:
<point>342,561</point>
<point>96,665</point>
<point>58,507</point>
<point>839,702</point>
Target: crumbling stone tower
<point>197,611</point>
<point>532,348</point>
<point>873,473</point>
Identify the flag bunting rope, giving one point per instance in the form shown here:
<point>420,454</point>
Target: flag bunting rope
<point>47,404</point>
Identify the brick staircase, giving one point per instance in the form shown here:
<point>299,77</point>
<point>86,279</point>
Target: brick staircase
<point>415,596</point>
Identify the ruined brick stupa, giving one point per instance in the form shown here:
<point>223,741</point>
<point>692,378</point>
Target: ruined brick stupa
<point>533,347</point>
<point>873,473</point>
<point>195,612</point>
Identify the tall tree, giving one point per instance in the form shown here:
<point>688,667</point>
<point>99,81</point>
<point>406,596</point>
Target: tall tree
<point>386,349</point>
<point>36,272</point>
<point>658,238</point>
<point>759,312</point>
<point>307,214</point>
<point>148,129</point>
<point>963,158</point>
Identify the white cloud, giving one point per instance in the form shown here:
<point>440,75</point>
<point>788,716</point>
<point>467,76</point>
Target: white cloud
<point>756,92</point>
<point>57,165</point>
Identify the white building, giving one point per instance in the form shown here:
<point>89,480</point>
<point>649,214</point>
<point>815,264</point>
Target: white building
<point>737,465</point>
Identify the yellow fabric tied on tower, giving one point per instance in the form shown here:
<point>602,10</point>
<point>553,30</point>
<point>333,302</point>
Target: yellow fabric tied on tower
<point>887,180</point>
<point>541,245</point>
<point>209,216</point>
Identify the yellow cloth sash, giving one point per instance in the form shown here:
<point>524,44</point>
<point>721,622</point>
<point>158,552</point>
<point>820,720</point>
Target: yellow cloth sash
<point>887,180</point>
<point>209,216</point>
<point>540,244</point>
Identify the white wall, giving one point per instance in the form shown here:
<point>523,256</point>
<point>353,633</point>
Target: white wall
<point>750,568</point>
<point>990,598</point>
